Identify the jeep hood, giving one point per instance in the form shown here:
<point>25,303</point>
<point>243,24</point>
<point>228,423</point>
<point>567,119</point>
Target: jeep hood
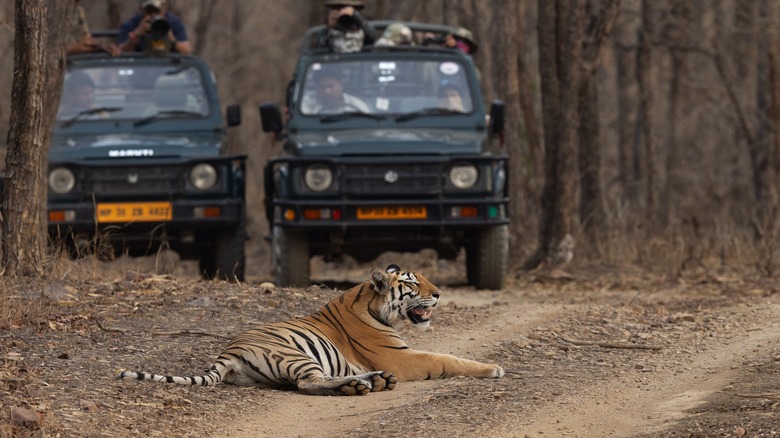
<point>386,141</point>
<point>124,146</point>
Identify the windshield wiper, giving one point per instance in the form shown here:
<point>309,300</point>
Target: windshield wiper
<point>148,119</point>
<point>88,112</point>
<point>427,112</point>
<point>348,115</point>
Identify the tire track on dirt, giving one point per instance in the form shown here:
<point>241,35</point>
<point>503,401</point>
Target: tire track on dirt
<point>621,409</point>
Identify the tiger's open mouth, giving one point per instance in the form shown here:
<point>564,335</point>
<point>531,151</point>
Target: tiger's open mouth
<point>419,315</point>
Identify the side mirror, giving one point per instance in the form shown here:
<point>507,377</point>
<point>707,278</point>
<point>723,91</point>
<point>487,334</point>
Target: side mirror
<point>271,117</point>
<point>497,117</point>
<point>233,115</point>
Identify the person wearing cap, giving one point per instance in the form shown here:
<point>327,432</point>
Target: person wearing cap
<point>329,96</point>
<point>396,34</point>
<point>345,29</point>
<point>462,39</point>
<point>138,33</point>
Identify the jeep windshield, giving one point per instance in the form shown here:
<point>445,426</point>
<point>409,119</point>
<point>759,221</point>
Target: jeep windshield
<point>132,92</point>
<point>390,87</point>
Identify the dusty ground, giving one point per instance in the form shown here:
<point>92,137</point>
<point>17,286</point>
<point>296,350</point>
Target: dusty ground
<point>596,352</point>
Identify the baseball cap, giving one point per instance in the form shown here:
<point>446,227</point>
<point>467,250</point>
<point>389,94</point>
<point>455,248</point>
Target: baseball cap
<point>153,3</point>
<point>338,4</point>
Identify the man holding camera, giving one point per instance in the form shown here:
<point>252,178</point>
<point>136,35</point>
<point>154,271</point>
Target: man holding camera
<point>346,30</point>
<point>154,30</point>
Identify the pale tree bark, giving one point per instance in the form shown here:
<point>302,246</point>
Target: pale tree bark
<point>37,68</point>
<point>560,50</point>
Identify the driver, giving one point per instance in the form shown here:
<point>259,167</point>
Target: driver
<point>78,96</point>
<point>329,97</point>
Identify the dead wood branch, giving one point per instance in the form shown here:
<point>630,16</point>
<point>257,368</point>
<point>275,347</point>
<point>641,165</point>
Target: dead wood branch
<point>184,332</point>
<point>612,344</point>
<point>769,395</point>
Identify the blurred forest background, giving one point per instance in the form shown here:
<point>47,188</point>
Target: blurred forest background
<point>663,140</point>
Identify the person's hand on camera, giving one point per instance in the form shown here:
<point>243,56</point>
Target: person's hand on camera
<point>144,26</point>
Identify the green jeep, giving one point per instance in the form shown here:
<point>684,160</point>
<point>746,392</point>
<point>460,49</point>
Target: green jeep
<point>137,160</point>
<point>401,161</point>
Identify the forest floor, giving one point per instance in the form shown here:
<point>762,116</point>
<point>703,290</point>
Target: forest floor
<point>588,352</point>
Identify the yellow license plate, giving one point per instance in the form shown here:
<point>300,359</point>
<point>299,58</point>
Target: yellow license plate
<point>134,212</point>
<point>399,212</point>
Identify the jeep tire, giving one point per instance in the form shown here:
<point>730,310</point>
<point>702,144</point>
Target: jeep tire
<point>225,257</point>
<point>291,257</point>
<point>486,258</point>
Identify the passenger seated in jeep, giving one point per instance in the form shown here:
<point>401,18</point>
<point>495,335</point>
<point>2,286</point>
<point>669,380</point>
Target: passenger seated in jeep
<point>450,96</point>
<point>327,96</point>
<point>78,97</point>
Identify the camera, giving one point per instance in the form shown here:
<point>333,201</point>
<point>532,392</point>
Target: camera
<point>159,25</point>
<point>347,23</point>
<point>434,40</point>
<point>158,43</point>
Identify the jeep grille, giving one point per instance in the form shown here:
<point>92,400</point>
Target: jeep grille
<point>125,180</point>
<point>392,179</point>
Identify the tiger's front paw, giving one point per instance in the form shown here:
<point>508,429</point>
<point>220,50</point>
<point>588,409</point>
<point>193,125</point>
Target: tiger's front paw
<point>498,372</point>
<point>383,380</point>
<point>355,386</point>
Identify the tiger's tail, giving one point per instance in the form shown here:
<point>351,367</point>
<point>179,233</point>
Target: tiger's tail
<point>213,377</point>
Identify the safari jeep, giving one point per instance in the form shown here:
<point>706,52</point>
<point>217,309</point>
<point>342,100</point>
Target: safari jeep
<point>401,171</point>
<point>142,163</point>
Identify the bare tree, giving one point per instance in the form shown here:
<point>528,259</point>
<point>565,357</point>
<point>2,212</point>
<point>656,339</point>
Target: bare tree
<point>646,82</point>
<point>560,48</point>
<point>37,81</point>
<point>601,16</point>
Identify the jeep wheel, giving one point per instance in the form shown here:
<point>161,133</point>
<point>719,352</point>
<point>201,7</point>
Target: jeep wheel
<point>486,258</point>
<point>291,257</point>
<point>225,257</point>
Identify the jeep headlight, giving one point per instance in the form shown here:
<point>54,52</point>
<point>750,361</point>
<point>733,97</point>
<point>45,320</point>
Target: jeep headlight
<point>318,177</point>
<point>203,176</point>
<point>464,175</point>
<point>61,180</point>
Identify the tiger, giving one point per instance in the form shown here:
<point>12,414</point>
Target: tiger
<point>351,346</point>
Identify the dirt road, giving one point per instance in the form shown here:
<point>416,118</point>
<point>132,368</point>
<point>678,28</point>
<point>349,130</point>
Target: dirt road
<point>586,356</point>
<point>630,392</point>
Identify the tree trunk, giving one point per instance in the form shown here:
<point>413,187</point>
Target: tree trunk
<point>560,49</point>
<point>592,212</point>
<point>646,90</point>
<point>24,225</point>
<point>626,109</point>
<point>201,29</point>
<point>526,218</point>
<point>769,206</point>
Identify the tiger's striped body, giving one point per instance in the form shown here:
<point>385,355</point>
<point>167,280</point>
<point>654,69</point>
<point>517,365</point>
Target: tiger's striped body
<point>350,346</point>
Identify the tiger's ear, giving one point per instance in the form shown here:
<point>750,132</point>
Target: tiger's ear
<point>392,268</point>
<point>380,280</point>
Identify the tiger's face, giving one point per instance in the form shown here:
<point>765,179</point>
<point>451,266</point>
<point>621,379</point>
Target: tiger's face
<point>405,296</point>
